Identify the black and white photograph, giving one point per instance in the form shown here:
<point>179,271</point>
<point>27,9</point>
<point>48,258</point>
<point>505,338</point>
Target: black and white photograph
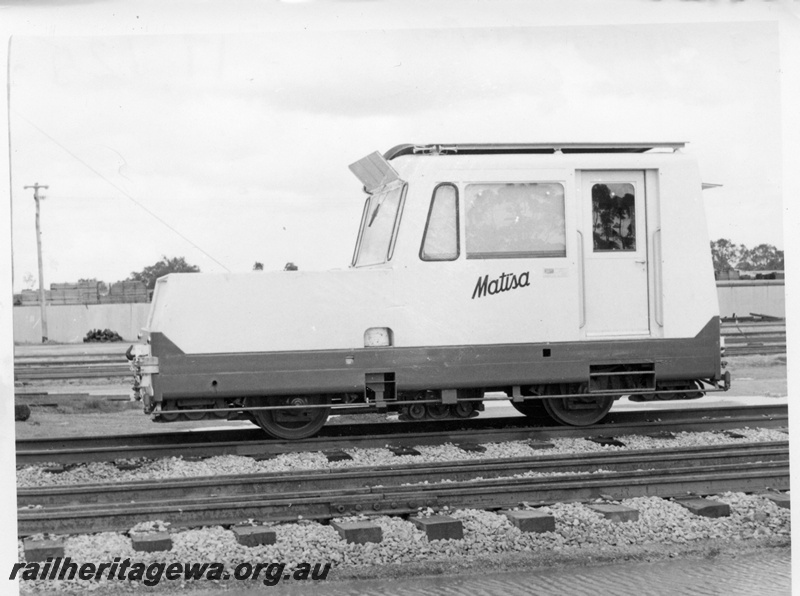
<point>398,297</point>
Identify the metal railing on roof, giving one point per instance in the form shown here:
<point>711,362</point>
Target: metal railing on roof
<point>540,148</point>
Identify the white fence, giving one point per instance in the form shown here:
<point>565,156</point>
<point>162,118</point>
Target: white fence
<point>70,323</point>
<point>760,296</point>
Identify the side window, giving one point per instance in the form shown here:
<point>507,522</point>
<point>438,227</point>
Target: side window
<point>513,220</point>
<point>613,217</point>
<point>440,240</point>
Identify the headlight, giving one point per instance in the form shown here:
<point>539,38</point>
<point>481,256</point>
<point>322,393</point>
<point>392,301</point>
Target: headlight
<point>376,337</point>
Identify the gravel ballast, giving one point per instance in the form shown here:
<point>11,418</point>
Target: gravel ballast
<point>664,529</point>
<point>582,536</point>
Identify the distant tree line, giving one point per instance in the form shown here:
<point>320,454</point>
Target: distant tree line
<point>150,274</point>
<point>728,255</point>
<point>259,266</point>
<point>166,265</point>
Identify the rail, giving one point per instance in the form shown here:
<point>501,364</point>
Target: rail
<point>251,442</point>
<point>402,490</point>
<point>753,337</point>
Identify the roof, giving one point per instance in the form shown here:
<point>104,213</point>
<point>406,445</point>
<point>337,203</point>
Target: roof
<point>540,148</point>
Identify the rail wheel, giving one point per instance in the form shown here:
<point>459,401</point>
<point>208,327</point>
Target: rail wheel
<point>437,411</point>
<point>415,412</point>
<point>199,414</point>
<point>293,423</point>
<point>194,415</point>
<point>169,411</point>
<point>220,404</point>
<point>463,409</point>
<point>578,411</point>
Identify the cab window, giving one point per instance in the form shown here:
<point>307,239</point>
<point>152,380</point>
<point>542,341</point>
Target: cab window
<point>515,220</point>
<point>440,240</point>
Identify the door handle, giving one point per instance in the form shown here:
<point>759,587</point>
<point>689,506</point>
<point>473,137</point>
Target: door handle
<point>641,262</point>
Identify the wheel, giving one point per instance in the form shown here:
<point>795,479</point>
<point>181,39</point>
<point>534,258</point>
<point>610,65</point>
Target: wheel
<point>463,409</point>
<point>578,411</point>
<point>415,411</point>
<point>290,424</point>
<point>168,411</point>
<point>437,411</point>
<point>194,415</point>
<point>220,404</point>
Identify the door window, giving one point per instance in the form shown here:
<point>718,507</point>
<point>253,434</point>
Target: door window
<point>614,217</point>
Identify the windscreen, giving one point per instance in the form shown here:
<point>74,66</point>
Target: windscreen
<point>378,227</point>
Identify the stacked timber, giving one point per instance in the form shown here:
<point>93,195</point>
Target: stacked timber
<point>125,292</point>
<point>88,292</point>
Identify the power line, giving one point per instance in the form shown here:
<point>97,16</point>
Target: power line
<point>121,191</point>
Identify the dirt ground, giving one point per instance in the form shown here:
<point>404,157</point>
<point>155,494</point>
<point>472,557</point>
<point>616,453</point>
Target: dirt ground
<point>95,414</point>
<point>758,375</point>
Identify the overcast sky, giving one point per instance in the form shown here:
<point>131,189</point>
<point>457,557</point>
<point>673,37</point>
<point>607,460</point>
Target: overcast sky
<point>228,149</point>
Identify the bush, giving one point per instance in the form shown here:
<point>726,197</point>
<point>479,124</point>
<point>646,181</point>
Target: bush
<point>105,335</point>
<point>22,412</point>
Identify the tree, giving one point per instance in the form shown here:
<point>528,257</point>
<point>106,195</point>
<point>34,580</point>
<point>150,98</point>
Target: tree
<point>763,257</point>
<point>258,266</point>
<point>150,274</point>
<point>726,254</point>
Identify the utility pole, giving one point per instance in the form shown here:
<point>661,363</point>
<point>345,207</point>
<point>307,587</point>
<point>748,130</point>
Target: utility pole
<point>42,305</point>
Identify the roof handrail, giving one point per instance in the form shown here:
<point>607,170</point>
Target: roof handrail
<point>541,148</point>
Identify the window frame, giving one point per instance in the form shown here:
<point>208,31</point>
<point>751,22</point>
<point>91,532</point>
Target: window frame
<point>396,228</point>
<point>428,221</point>
<point>357,246</point>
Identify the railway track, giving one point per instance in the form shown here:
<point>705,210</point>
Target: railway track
<point>746,338</point>
<point>251,441</point>
<point>399,490</point>
<point>96,366</point>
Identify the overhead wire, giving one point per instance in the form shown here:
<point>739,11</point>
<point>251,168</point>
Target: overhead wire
<point>121,191</point>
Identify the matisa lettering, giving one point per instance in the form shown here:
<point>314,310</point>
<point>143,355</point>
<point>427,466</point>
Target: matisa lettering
<point>506,281</point>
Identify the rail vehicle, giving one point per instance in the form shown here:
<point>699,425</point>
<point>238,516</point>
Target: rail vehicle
<point>557,276</point>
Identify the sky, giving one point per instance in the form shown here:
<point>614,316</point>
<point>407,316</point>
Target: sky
<point>230,148</point>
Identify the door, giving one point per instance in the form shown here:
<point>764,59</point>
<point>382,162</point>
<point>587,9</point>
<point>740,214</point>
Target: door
<point>614,252</point>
